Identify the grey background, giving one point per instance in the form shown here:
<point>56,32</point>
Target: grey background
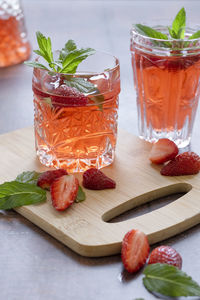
<point>35,266</point>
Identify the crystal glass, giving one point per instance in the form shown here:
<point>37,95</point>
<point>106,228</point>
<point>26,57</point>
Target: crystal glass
<point>14,46</point>
<point>77,130</point>
<point>167,81</point>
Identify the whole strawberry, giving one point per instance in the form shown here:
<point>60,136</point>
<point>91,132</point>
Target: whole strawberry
<point>165,255</point>
<point>95,179</point>
<point>135,250</point>
<point>187,163</point>
<point>46,179</point>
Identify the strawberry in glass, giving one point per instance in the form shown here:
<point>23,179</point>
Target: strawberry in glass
<point>76,110</point>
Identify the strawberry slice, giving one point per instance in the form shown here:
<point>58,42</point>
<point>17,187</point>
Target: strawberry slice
<point>95,179</point>
<point>187,163</point>
<point>165,255</point>
<point>162,151</point>
<point>64,191</point>
<point>135,250</point>
<point>66,96</point>
<point>47,178</point>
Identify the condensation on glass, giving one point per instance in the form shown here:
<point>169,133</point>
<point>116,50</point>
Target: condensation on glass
<point>14,46</point>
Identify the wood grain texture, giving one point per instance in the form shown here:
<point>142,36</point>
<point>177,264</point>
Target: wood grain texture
<point>84,227</point>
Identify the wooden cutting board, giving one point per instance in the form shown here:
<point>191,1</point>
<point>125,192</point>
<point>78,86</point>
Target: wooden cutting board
<point>83,227</point>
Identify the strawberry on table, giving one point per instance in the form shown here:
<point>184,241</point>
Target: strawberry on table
<point>64,191</point>
<point>162,151</point>
<point>187,163</point>
<point>135,250</point>
<point>47,178</point>
<point>165,255</point>
<point>95,179</point>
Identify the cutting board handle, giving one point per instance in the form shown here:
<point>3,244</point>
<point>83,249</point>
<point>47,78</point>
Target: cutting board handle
<point>161,223</point>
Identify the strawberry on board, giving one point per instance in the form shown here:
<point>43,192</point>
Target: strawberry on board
<point>47,178</point>
<point>187,163</point>
<point>165,255</point>
<point>135,250</point>
<point>95,179</point>
<point>162,151</point>
<point>64,191</point>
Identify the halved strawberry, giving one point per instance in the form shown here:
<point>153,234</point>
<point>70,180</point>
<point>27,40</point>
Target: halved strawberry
<point>65,96</point>
<point>95,179</point>
<point>162,151</point>
<point>64,191</point>
<point>47,178</point>
<point>165,255</point>
<point>187,163</point>
<point>135,250</point>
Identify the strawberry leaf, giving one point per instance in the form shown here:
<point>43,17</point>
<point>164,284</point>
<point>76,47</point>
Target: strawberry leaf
<point>14,194</point>
<point>28,177</point>
<point>169,281</point>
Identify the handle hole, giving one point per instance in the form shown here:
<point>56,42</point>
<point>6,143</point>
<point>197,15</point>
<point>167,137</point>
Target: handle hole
<point>146,203</point>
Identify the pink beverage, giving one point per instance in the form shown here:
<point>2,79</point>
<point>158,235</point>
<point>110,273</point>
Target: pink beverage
<point>167,85</point>
<point>75,130</point>
<point>14,46</point>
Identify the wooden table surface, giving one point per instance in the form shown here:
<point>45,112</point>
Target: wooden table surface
<point>34,266</point>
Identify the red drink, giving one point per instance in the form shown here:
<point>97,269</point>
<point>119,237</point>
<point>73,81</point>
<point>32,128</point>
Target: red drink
<point>71,130</point>
<point>14,47</point>
<point>167,85</point>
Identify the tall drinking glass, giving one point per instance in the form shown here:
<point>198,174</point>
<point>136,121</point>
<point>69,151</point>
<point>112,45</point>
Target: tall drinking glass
<point>167,82</point>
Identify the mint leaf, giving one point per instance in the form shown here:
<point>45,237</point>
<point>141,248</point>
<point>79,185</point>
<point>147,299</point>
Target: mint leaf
<point>14,194</point>
<point>45,47</point>
<point>172,33</point>
<point>169,281</point>
<point>34,64</point>
<point>81,84</point>
<point>69,46</point>
<point>74,58</point>
<point>28,177</point>
<point>81,195</point>
<point>148,31</point>
<point>195,35</point>
<point>84,86</point>
<point>98,100</point>
<point>178,25</point>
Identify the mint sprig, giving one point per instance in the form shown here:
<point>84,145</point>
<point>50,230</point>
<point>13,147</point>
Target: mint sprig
<point>176,31</point>
<point>169,281</point>
<point>68,60</point>
<point>14,194</point>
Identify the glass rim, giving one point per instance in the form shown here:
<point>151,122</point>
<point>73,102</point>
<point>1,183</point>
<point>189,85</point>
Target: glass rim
<point>84,73</point>
<point>135,32</point>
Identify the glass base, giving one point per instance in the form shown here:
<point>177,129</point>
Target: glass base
<point>73,165</point>
<point>176,136</point>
